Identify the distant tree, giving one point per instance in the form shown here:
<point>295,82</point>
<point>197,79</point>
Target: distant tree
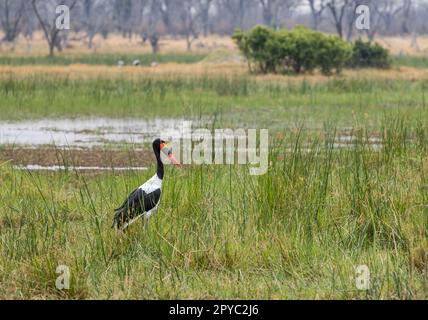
<point>351,17</point>
<point>139,18</point>
<point>204,9</point>
<point>152,34</point>
<point>29,22</point>
<point>95,18</point>
<point>387,10</point>
<point>423,9</point>
<point>11,14</point>
<point>236,8</point>
<point>267,11</point>
<point>152,19</point>
<point>284,9</point>
<point>378,10</point>
<point>338,10</point>
<point>122,16</point>
<point>407,6</point>
<point>272,8</point>
<point>166,8</point>
<point>317,10</point>
<point>190,19</point>
<point>47,21</point>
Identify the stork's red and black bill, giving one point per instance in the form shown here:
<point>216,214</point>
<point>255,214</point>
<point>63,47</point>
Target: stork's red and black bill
<point>168,152</point>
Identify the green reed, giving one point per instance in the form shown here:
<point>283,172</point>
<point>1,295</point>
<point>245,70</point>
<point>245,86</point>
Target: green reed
<point>298,231</point>
<point>232,100</point>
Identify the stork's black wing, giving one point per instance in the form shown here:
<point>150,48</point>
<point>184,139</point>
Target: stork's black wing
<point>137,203</point>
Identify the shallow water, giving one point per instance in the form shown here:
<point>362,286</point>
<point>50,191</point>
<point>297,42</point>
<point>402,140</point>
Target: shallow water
<point>81,133</point>
<point>84,132</point>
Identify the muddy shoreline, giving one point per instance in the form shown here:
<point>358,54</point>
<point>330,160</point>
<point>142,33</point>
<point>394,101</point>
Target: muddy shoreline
<point>75,157</point>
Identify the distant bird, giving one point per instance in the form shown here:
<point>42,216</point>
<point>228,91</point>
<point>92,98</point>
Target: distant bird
<point>136,63</point>
<point>120,63</point>
<point>144,201</point>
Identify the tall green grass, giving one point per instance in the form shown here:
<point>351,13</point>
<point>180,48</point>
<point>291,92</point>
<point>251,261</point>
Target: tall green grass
<point>235,100</point>
<point>297,232</point>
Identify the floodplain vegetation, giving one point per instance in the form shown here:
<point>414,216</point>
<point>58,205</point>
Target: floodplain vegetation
<point>347,185</point>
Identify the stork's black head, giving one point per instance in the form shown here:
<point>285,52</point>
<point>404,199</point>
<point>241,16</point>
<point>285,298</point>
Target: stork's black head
<point>160,145</point>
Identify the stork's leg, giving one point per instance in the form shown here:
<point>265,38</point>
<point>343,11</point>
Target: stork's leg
<point>147,216</point>
<point>145,221</point>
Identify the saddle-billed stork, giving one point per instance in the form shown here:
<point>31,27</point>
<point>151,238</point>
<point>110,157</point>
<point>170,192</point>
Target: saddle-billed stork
<point>144,201</point>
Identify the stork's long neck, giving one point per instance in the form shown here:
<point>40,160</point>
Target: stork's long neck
<point>160,171</point>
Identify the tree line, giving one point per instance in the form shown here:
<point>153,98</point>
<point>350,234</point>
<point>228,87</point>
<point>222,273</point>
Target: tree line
<point>191,19</point>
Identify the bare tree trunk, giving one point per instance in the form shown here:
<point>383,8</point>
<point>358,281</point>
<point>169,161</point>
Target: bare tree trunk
<point>338,9</point>
<point>204,11</point>
<point>189,43</point>
<point>237,9</point>
<point>11,14</point>
<point>205,22</point>
<point>267,12</point>
<point>316,13</point>
<point>90,41</point>
<point>152,35</point>
<point>407,7</point>
<point>415,44</point>
<point>51,49</point>
<point>241,14</point>
<point>190,17</point>
<point>50,30</point>
<point>351,11</point>
<point>166,8</point>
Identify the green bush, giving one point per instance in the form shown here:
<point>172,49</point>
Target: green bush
<point>368,55</point>
<point>256,45</point>
<point>297,51</point>
<point>302,44</point>
<point>333,53</point>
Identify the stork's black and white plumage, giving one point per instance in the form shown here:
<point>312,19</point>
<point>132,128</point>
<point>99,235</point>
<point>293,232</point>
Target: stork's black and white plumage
<point>144,201</point>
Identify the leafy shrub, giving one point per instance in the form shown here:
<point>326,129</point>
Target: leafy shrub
<point>368,55</point>
<point>256,46</point>
<point>302,52</point>
<point>333,53</point>
<point>299,50</point>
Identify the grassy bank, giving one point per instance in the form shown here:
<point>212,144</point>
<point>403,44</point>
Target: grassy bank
<point>230,99</point>
<point>101,59</point>
<point>297,232</point>
<point>112,59</point>
<point>411,61</point>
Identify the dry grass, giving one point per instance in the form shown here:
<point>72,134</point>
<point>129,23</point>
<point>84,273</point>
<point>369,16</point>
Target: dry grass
<point>403,45</point>
<point>91,72</point>
<point>114,44</point>
<point>398,73</point>
<point>201,69</point>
